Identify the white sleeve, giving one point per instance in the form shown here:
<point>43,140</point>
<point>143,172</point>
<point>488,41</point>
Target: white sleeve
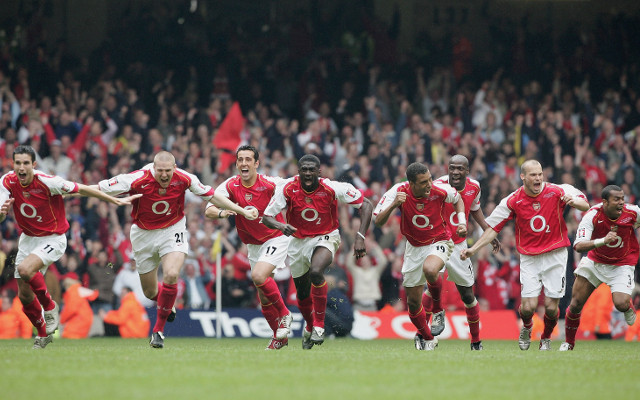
<point>475,204</point>
<point>585,228</point>
<point>120,183</point>
<point>198,188</point>
<point>386,200</point>
<point>452,194</point>
<point>277,203</point>
<point>500,214</point>
<point>346,193</point>
<point>275,179</point>
<point>572,191</point>
<point>58,185</point>
<point>636,209</point>
<point>4,193</point>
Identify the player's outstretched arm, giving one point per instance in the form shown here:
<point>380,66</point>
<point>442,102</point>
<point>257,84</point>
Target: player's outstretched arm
<point>271,222</point>
<point>461,229</point>
<point>93,191</point>
<point>478,216</point>
<point>366,209</point>
<point>576,202</point>
<point>486,238</point>
<point>588,245</point>
<point>4,209</point>
<point>384,215</point>
<point>223,202</point>
<point>214,212</point>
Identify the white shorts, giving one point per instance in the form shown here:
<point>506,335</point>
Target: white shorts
<point>618,277</point>
<point>548,269</point>
<point>460,271</point>
<point>414,257</point>
<point>273,251</point>
<point>48,248</point>
<point>149,246</point>
<point>301,251</point>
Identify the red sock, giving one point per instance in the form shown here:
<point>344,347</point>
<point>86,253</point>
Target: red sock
<point>435,291</point>
<point>155,298</point>
<point>271,315</point>
<point>427,304</point>
<point>419,320</point>
<point>571,324</point>
<point>473,318</point>
<point>166,300</point>
<point>40,289</point>
<point>306,309</point>
<point>270,290</point>
<point>526,322</point>
<point>319,297</point>
<point>549,324</point>
<point>33,311</point>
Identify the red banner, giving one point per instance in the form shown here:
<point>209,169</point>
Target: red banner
<point>394,325</point>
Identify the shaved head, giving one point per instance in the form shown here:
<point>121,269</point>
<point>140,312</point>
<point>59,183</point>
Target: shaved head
<point>529,165</point>
<point>459,159</point>
<point>164,156</point>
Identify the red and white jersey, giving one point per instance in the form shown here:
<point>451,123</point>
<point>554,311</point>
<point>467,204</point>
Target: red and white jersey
<point>258,195</point>
<point>39,206</point>
<point>595,225</point>
<point>158,208</point>
<point>470,195</point>
<point>313,213</point>
<point>540,226</point>
<point>423,218</point>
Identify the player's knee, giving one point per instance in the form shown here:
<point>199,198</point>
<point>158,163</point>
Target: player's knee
<point>414,304</point>
<point>24,272</point>
<point>150,292</point>
<point>259,277</point>
<point>622,304</point>
<point>317,277</point>
<point>467,298</point>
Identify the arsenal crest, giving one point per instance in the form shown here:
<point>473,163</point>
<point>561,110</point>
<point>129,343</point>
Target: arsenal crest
<point>308,200</point>
<point>420,206</point>
<point>248,197</point>
<point>162,191</point>
<point>536,206</point>
<point>26,195</point>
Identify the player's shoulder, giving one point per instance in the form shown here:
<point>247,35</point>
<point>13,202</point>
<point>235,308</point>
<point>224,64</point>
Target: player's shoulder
<point>400,187</point>
<point>183,175</point>
<point>442,179</point>
<point>515,196</point>
<point>560,188</point>
<point>593,211</point>
<point>271,180</point>
<point>9,176</point>
<point>442,187</point>
<point>472,183</point>
<point>632,208</point>
<point>291,183</point>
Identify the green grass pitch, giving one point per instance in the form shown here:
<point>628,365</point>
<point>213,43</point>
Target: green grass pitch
<point>106,368</point>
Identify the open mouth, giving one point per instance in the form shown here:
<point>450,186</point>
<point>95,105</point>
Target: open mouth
<point>22,176</point>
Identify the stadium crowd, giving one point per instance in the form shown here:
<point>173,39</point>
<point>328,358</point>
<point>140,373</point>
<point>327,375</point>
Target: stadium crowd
<point>346,95</point>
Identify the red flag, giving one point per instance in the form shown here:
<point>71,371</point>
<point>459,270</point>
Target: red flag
<point>225,160</point>
<point>228,136</point>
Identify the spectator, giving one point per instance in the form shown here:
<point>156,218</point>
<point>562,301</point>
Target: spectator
<point>13,322</point>
<point>339,315</point>
<point>131,318</point>
<point>101,278</point>
<point>366,277</point>
<point>76,316</point>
